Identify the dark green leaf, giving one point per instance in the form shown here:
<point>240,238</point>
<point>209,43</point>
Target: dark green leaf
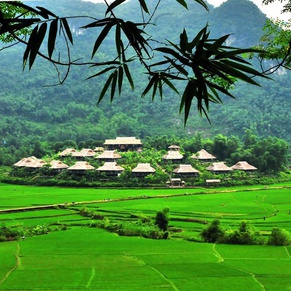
<point>113,5</point>
<point>100,38</point>
<point>67,29</point>
<point>113,85</point>
<point>120,79</point>
<point>183,3</point>
<point>37,43</point>
<point>102,72</point>
<point>128,75</point>
<point>52,37</point>
<point>144,6</point>
<point>45,13</point>
<point>30,43</point>
<point>105,88</point>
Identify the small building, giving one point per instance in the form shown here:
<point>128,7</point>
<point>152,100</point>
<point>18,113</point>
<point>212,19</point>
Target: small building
<point>111,169</point>
<point>84,153</point>
<point>173,156</point>
<point>212,182</point>
<point>203,156</point>
<point>57,166</point>
<point>219,168</point>
<point>175,183</point>
<point>244,166</point>
<point>143,169</point>
<point>123,144</point>
<point>30,163</point>
<point>108,156</point>
<point>174,147</point>
<point>67,152</point>
<point>186,171</point>
<point>80,168</point>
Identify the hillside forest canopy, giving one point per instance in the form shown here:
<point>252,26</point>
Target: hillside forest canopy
<point>115,60</point>
<point>204,67</point>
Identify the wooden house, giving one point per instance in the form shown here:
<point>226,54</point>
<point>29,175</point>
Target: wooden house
<point>57,166</point>
<point>175,183</point>
<point>203,156</point>
<point>108,156</point>
<point>244,166</point>
<point>173,156</point>
<point>219,168</point>
<point>123,144</point>
<point>111,169</point>
<point>80,168</point>
<point>142,170</point>
<point>185,171</point>
<point>67,152</point>
<point>84,153</point>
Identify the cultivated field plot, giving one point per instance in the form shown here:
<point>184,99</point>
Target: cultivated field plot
<point>82,257</point>
<point>93,259</point>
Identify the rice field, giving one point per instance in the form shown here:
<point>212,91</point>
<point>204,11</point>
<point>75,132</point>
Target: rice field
<point>89,258</point>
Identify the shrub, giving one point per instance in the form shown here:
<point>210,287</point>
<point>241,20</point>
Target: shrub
<point>245,235</point>
<point>279,237</point>
<point>213,233</point>
<point>162,219</point>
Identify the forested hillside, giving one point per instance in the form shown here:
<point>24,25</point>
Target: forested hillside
<point>33,108</point>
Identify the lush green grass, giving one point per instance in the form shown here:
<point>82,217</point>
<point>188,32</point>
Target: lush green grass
<point>90,258</point>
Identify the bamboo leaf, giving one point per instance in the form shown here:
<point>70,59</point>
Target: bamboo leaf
<point>113,85</point>
<point>144,6</point>
<point>30,43</point>
<point>105,88</point>
<point>113,5</point>
<point>120,79</point>
<point>100,38</point>
<point>52,37</point>
<point>67,29</point>
<point>37,43</point>
<point>128,76</point>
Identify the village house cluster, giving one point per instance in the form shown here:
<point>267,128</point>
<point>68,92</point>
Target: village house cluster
<point>111,153</point>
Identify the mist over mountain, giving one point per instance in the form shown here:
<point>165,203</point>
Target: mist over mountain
<point>32,109</point>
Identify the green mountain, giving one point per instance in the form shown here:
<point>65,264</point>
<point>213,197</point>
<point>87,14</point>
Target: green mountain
<point>33,108</point>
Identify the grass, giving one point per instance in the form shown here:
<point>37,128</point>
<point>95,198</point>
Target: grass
<point>90,258</point>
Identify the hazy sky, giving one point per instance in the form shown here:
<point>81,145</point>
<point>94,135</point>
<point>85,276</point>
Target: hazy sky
<point>271,10</point>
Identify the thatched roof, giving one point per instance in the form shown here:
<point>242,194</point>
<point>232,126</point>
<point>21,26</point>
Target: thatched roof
<point>219,167</point>
<point>67,152</point>
<point>244,166</point>
<point>55,165</point>
<point>173,155</point>
<point>81,166</point>
<point>30,162</point>
<point>110,167</point>
<point>174,147</point>
<point>183,169</point>
<point>109,155</point>
<point>203,155</point>
<point>84,153</point>
<point>123,141</point>
<point>143,168</point>
<point>99,149</point>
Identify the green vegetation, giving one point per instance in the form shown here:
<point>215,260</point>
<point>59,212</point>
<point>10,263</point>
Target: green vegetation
<point>33,112</point>
<point>84,255</point>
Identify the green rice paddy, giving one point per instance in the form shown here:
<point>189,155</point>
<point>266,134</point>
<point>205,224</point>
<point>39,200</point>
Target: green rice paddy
<point>86,258</point>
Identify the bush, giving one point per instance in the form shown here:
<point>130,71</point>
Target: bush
<point>245,235</point>
<point>279,237</point>
<point>213,233</point>
<point>162,220</point>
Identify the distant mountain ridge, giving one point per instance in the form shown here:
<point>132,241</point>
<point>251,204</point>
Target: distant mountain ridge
<point>30,111</point>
